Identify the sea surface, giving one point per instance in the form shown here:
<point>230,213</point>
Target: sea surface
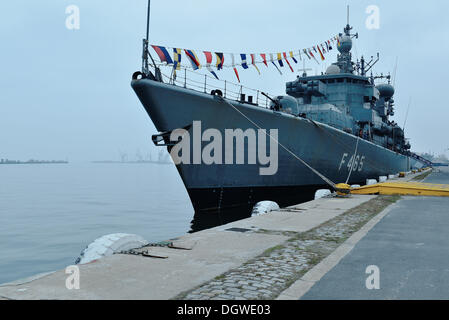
<point>50,212</point>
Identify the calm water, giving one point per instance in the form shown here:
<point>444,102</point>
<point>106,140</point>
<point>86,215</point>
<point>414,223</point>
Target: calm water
<point>50,213</point>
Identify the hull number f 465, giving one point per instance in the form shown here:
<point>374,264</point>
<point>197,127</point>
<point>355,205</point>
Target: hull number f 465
<point>356,161</point>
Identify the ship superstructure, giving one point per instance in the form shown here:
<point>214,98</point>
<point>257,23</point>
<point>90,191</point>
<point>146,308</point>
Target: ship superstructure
<point>347,99</point>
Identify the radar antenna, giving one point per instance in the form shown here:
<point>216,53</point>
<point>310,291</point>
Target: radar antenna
<point>367,66</point>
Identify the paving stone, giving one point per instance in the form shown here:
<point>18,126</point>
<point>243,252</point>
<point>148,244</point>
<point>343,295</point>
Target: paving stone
<point>251,288</point>
<point>266,276</point>
<point>267,292</point>
<point>268,281</point>
<point>260,285</point>
<point>233,285</point>
<point>218,291</point>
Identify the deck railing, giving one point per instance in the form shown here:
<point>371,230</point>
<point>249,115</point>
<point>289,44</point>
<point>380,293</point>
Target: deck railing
<point>204,83</point>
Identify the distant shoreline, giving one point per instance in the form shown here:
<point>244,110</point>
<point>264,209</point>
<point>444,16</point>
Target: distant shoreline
<point>11,162</point>
<point>34,162</point>
<point>133,162</point>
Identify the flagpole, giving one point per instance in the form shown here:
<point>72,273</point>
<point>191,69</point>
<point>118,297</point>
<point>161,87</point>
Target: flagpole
<point>146,53</point>
<point>145,44</point>
<point>148,20</point>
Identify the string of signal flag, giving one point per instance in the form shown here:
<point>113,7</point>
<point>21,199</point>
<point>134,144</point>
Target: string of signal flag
<point>316,53</point>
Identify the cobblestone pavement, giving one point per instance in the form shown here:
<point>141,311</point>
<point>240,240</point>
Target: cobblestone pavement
<point>267,275</point>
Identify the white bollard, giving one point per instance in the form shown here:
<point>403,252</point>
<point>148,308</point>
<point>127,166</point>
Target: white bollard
<point>391,176</point>
<point>264,207</point>
<point>383,179</point>
<point>109,244</point>
<point>370,182</point>
<point>322,193</point>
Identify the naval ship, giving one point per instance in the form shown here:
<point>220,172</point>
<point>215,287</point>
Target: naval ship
<point>337,123</point>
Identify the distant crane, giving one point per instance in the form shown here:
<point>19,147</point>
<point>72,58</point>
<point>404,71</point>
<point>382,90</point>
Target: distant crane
<point>139,156</point>
<point>123,156</point>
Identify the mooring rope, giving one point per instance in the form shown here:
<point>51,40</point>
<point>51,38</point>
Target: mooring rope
<point>353,159</point>
<point>323,177</point>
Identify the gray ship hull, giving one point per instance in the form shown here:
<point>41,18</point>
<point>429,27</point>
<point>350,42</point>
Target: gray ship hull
<point>223,188</point>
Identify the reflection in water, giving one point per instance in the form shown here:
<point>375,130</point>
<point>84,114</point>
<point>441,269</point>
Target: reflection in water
<point>283,196</point>
<point>210,219</point>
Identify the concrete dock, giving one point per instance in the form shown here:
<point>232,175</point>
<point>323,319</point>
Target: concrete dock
<point>410,247</point>
<point>311,251</point>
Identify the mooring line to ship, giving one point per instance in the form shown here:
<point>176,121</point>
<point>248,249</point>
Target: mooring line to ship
<point>346,146</point>
<point>324,178</point>
<point>353,159</point>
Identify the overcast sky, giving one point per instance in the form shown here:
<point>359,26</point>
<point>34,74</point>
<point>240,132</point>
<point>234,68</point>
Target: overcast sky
<point>66,93</point>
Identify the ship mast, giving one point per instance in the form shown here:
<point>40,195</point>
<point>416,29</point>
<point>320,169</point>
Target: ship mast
<point>348,28</point>
<point>344,59</point>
